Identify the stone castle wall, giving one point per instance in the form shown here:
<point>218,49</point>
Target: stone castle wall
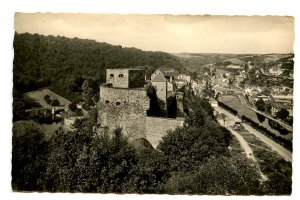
<point>157,127</point>
<point>131,118</point>
<point>123,108</point>
<point>121,96</point>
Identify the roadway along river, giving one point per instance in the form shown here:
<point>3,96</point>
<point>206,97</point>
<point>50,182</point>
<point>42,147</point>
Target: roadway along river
<point>286,154</point>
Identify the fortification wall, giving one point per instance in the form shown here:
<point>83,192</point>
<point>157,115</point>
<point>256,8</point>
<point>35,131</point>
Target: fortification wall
<point>130,117</point>
<point>157,127</point>
<point>123,108</point>
<point>124,96</point>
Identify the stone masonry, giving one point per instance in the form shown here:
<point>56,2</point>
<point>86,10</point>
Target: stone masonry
<point>124,103</point>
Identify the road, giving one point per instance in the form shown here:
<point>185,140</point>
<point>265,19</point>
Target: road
<point>244,144</point>
<point>289,128</point>
<point>242,141</point>
<point>286,154</point>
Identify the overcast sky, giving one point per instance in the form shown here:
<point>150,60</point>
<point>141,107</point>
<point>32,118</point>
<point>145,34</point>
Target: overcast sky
<point>169,33</point>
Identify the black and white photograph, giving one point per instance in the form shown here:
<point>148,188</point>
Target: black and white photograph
<point>136,103</point>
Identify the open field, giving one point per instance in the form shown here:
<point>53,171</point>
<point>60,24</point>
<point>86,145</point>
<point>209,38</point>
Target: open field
<point>39,95</point>
<point>49,129</point>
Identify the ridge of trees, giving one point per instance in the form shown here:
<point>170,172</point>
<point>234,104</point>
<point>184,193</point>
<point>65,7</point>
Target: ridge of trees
<point>64,63</point>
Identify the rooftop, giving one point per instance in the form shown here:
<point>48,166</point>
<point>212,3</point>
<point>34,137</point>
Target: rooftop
<point>159,78</point>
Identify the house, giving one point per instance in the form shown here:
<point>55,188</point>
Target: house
<point>213,102</point>
<point>274,111</point>
<point>168,73</point>
<point>253,90</point>
<point>180,82</point>
<point>234,66</point>
<point>184,77</point>
<point>275,71</point>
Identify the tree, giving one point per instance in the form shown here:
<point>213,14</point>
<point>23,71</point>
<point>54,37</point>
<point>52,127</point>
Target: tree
<point>29,156</point>
<point>218,176</point>
<point>260,117</point>
<point>18,110</point>
<point>85,162</point>
<point>194,75</point>
<point>201,111</point>
<point>260,105</point>
<point>189,146</point>
<point>208,91</point>
<point>150,172</point>
<point>54,102</point>
<point>282,114</point>
<point>72,106</point>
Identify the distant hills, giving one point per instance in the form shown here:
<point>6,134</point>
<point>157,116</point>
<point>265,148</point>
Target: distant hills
<point>194,61</point>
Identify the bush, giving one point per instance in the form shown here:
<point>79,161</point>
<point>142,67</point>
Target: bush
<point>226,107</point>
<point>72,106</point>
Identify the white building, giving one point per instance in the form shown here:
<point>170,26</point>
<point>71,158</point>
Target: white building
<point>184,77</point>
<point>275,71</point>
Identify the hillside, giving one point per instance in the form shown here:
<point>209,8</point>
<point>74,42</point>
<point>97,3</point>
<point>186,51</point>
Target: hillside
<point>64,63</point>
<point>192,61</point>
<point>196,61</point>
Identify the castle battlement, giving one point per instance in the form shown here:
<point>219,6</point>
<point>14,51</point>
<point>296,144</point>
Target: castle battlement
<point>126,78</point>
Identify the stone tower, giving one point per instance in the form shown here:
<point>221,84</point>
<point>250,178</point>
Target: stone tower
<point>124,102</point>
<point>161,87</point>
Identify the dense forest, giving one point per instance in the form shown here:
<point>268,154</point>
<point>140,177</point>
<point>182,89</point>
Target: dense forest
<point>63,63</point>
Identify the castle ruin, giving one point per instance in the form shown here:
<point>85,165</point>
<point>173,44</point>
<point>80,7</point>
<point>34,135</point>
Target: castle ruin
<point>124,103</point>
